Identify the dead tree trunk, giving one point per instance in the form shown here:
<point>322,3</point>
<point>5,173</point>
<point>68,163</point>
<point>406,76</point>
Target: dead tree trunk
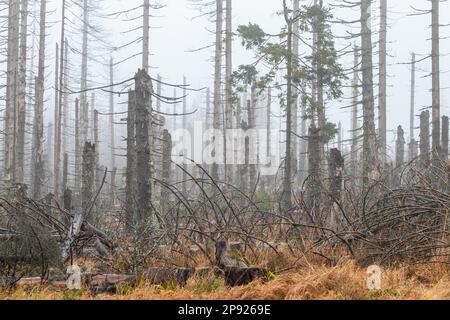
<point>425,139</point>
<point>399,155</point>
<point>355,105</point>
<point>65,173</point>
<point>166,164</point>
<point>412,115</point>
<point>59,106</point>
<point>184,182</point>
<point>370,159</point>
<point>336,171</point>
<point>77,149</point>
<point>21,109</point>
<point>146,30</point>
<point>143,99</point>
<point>111,130</point>
<point>48,153</point>
<point>131,162</point>
<point>252,125</point>
<point>98,174</point>
<point>65,97</point>
<point>286,202</point>
<point>87,195</point>
<point>435,74</point>
<point>444,146</point>
<point>400,148</point>
<point>38,125</point>
<point>11,90</point>
<point>382,126</point>
<point>228,67</point>
<point>55,121</point>
<point>84,108</point>
<point>313,185</point>
<point>218,79</point>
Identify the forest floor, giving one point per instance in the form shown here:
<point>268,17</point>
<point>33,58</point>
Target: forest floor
<point>346,281</point>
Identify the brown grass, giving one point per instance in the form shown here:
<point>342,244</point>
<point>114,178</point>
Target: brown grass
<point>346,281</point>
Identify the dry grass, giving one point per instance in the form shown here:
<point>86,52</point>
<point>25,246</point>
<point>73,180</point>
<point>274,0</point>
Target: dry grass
<point>346,281</point>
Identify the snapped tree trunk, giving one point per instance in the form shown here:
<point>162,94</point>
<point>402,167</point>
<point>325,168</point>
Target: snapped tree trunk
<point>143,107</point>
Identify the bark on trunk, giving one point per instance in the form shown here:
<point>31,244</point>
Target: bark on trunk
<point>218,78</point>
<point>370,154</point>
<point>38,125</point>
<point>382,126</point>
<point>425,139</point>
<point>21,109</point>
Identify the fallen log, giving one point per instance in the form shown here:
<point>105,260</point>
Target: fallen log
<point>235,277</point>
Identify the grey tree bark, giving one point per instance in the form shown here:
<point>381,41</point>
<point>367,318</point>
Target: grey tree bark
<point>370,154</point>
<point>412,115</point>
<point>11,89</point>
<point>425,139</point>
<point>218,78</point>
<point>382,126</point>
<point>143,94</point>
<point>435,74</point>
<point>145,41</point>
<point>22,108</point>
<point>131,162</point>
<point>38,125</point>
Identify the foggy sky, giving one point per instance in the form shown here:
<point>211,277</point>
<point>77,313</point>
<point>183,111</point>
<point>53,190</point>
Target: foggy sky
<point>174,32</point>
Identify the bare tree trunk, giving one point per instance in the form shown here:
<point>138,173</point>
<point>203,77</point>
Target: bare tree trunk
<point>77,148</point>
<point>143,92</point>
<point>65,172</point>
<point>229,65</point>
<point>59,105</point>
<point>400,148</point>
<point>97,152</point>
<point>252,125</point>
<point>111,129</point>
<point>286,203</point>
<point>84,108</point>
<point>87,195</point>
<point>11,84</point>
<point>55,120</point>
<point>399,156</point>
<point>336,171</point>
<point>425,139</point>
<point>218,78</point>
<point>131,162</point>
<point>48,159</point>
<point>444,147</point>
<point>21,109</point>
<point>65,97</point>
<point>166,164</point>
<point>38,127</point>
<point>321,117</point>
<point>294,106</point>
<point>382,126</point>
<point>370,159</point>
<point>435,74</point>
<point>412,115</point>
<point>314,185</point>
<point>184,128</point>
<point>145,41</point>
